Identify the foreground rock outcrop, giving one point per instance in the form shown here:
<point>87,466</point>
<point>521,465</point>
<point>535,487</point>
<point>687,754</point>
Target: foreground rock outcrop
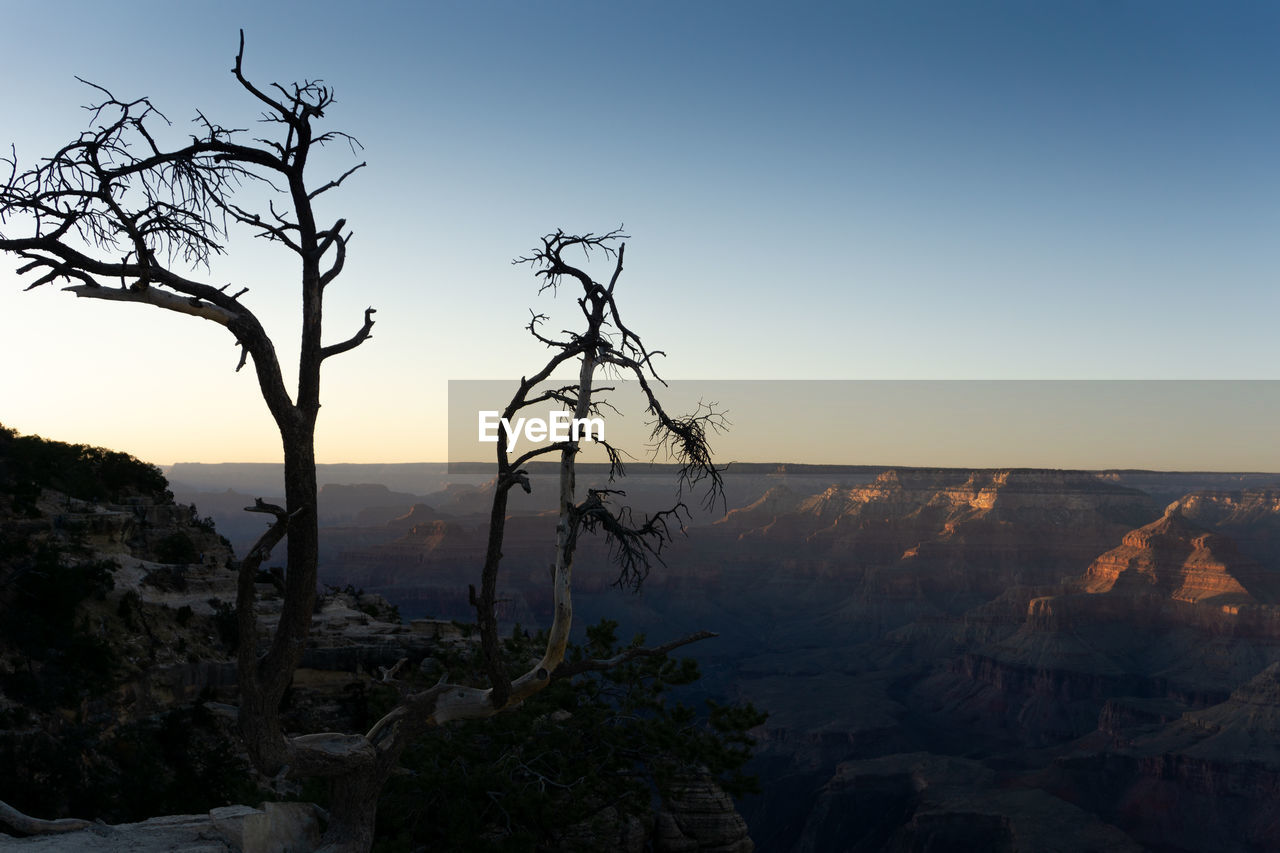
<point>118,681</point>
<point>699,817</point>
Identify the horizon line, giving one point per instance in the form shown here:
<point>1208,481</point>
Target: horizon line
<point>544,465</point>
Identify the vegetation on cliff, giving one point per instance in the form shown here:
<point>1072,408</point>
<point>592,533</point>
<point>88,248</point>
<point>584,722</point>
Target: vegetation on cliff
<point>29,463</point>
<point>76,647</point>
<point>588,762</point>
<point>91,726</point>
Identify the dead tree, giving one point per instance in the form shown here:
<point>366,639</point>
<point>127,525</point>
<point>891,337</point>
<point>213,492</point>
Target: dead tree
<point>119,216</point>
<point>604,343</point>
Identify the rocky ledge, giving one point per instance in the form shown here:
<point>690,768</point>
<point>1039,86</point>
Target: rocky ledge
<point>270,828</point>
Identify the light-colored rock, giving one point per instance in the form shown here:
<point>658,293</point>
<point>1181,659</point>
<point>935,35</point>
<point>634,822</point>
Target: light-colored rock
<point>699,817</point>
<point>171,834</point>
<point>231,822</point>
<point>270,828</point>
<point>283,828</point>
<point>436,628</point>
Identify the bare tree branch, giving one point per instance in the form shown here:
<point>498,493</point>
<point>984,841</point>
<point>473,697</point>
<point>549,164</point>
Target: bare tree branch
<point>336,182</point>
<point>159,298</point>
<point>355,340</point>
<point>569,669</point>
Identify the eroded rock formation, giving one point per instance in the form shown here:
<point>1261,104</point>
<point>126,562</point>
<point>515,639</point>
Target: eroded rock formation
<point>1175,558</point>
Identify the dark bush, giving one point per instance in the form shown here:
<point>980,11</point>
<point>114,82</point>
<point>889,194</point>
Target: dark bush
<point>39,617</point>
<point>29,463</point>
<point>225,620</point>
<point>177,548</point>
<point>167,578</point>
<point>573,751</point>
<point>176,763</point>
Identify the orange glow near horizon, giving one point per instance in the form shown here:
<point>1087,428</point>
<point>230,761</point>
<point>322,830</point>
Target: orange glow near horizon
<point>1194,425</point>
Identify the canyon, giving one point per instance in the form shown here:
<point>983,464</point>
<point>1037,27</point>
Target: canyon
<point>995,659</point>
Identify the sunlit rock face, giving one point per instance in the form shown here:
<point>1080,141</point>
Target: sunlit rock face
<point>946,497</point>
<point>1176,558</point>
<point>1231,508</point>
<point>963,536</point>
<point>1251,517</point>
<point>1168,615</point>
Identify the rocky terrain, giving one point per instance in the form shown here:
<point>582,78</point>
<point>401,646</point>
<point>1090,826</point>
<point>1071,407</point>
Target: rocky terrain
<point>117,674</point>
<point>952,659</point>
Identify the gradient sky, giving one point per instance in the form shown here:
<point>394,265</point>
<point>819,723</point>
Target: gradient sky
<point>895,190</point>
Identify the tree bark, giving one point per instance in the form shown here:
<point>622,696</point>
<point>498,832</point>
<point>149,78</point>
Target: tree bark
<point>353,812</point>
<point>263,689</point>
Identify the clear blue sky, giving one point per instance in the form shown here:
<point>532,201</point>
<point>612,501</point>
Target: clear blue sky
<point>814,191</point>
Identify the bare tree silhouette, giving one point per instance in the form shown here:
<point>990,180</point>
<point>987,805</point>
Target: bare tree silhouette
<point>119,217</point>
